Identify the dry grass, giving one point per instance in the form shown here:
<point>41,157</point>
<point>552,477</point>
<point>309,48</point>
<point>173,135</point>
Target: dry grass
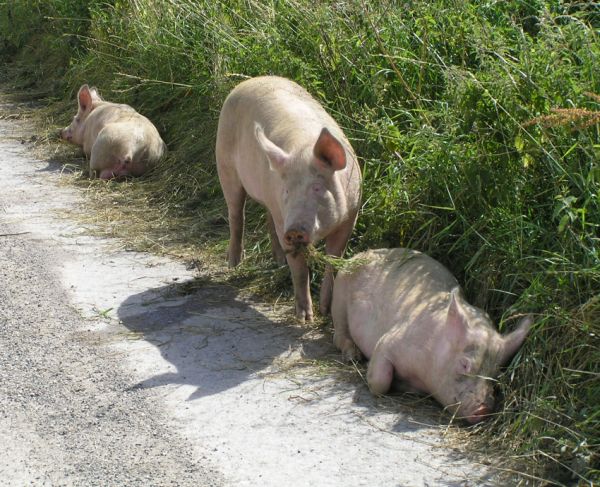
<point>575,118</point>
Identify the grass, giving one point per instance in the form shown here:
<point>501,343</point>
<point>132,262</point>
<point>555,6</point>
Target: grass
<point>477,130</point>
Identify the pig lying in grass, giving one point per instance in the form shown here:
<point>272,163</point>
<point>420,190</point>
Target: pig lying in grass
<point>278,145</point>
<point>117,140</point>
<point>405,312</point>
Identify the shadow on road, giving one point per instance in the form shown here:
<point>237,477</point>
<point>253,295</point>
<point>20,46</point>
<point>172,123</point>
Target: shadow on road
<point>213,339</point>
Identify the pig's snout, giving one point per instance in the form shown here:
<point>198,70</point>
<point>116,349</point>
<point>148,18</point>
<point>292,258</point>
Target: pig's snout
<point>480,414</point>
<point>296,237</point>
<point>65,134</point>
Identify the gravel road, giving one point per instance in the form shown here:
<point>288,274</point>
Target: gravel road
<point>110,375</point>
<point>69,411</point>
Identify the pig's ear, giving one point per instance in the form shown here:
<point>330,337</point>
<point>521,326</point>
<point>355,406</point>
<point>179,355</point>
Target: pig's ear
<point>329,151</point>
<point>513,341</point>
<point>456,321</point>
<point>94,94</point>
<point>84,97</point>
<point>277,156</point>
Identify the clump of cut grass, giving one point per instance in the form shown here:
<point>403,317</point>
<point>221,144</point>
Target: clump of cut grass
<point>317,259</point>
<point>449,106</point>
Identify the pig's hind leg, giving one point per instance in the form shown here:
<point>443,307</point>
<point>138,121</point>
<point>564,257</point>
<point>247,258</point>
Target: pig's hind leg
<point>235,196</point>
<point>380,372</point>
<point>119,170</point>
<point>107,173</point>
<point>350,352</point>
<point>110,155</point>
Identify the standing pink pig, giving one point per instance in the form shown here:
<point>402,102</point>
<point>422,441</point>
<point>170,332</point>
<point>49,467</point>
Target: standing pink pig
<point>117,140</point>
<point>405,312</point>
<point>278,145</point>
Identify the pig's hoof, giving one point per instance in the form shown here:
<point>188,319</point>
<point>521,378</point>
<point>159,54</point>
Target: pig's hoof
<point>107,174</point>
<point>304,316</point>
<point>234,259</point>
<point>307,318</point>
<point>352,354</point>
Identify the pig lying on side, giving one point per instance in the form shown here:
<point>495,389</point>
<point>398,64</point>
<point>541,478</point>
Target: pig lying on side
<point>278,145</point>
<point>405,312</point>
<point>117,140</point>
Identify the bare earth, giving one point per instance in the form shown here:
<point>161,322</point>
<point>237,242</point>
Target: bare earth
<point>110,375</point>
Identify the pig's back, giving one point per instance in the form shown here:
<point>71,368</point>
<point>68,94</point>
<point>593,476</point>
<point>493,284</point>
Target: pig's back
<point>107,113</point>
<point>291,118</point>
<point>289,115</point>
<point>390,290</point>
<point>400,271</point>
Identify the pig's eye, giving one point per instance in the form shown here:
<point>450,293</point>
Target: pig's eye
<point>465,365</point>
<point>318,189</point>
<point>77,119</point>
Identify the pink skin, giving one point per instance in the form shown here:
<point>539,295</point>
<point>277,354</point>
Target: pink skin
<point>120,170</point>
<point>480,414</point>
<point>117,140</point>
<point>276,144</point>
<point>405,312</point>
<point>304,221</point>
<point>66,134</point>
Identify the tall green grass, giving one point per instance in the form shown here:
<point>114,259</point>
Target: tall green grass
<point>444,102</point>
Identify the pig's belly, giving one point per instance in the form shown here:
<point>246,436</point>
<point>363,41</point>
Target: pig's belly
<point>364,330</point>
<point>253,180</point>
<point>370,315</point>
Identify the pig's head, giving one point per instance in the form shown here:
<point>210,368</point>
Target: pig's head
<point>474,354</point>
<point>311,197</point>
<point>86,98</point>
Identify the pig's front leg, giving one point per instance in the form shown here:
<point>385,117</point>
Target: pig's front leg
<point>341,327</point>
<point>335,244</point>
<point>380,372</point>
<point>278,253</point>
<point>343,341</point>
<point>300,278</point>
